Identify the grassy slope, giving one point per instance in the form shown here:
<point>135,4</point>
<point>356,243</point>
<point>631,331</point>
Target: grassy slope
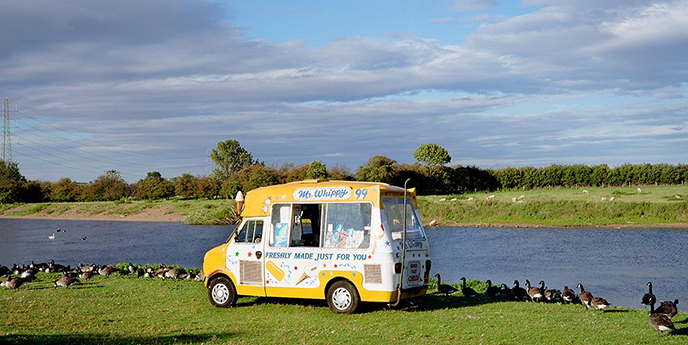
<point>556,207</point>
<point>130,310</point>
<point>564,207</point>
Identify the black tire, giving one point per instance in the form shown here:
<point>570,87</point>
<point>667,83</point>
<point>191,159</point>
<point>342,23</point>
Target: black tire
<point>342,298</point>
<point>222,293</point>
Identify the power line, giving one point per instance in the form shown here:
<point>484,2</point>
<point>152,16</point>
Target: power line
<point>73,134</point>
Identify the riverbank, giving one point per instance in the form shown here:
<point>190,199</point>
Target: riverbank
<point>125,310</point>
<point>197,212</point>
<point>615,207</point>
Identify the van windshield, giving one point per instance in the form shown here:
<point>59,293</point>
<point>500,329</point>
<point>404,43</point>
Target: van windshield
<point>395,219</point>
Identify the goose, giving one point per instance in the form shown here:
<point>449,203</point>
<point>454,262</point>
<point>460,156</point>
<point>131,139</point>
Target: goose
<point>160,272</point>
<point>174,273</point>
<point>65,281</point>
<point>86,275</point>
<point>519,292</point>
<point>491,291</point>
<point>132,268</point>
<point>139,272</point>
<point>506,292</point>
<point>568,295</point>
<point>4,271</point>
<point>599,303</point>
<point>87,268</point>
<point>585,296</point>
<point>28,274</point>
<point>550,295</point>
<point>15,283</point>
<point>56,267</point>
<point>667,308</point>
<point>466,291</point>
<point>534,292</point>
<point>648,298</point>
<point>200,277</point>
<point>51,237</point>
<point>444,288</point>
<point>108,270</point>
<point>660,322</point>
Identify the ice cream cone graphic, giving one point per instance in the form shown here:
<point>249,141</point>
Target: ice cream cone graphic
<point>377,238</point>
<point>307,273</point>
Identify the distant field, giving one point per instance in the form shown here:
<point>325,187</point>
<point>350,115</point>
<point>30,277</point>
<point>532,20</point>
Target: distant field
<point>191,211</point>
<point>613,206</point>
<point>665,206</point>
<point>128,310</point>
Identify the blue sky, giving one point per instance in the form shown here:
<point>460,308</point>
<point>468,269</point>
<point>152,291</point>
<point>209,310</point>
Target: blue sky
<point>153,86</point>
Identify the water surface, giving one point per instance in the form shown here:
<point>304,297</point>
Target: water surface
<point>614,264</point>
<point>611,263</point>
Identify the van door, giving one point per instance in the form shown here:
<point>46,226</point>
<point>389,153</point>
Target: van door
<point>247,254</point>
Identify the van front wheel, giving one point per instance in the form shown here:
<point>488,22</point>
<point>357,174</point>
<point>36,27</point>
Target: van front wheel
<point>342,298</point>
<point>222,293</point>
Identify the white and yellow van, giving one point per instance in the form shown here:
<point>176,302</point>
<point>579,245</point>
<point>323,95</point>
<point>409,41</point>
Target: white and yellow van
<point>336,240</point>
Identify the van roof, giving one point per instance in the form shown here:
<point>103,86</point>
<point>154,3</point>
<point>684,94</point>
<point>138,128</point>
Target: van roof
<point>317,190</point>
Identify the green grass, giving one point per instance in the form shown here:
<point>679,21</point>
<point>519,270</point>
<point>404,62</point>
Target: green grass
<point>652,206</point>
<point>563,207</point>
<point>125,310</point>
<point>207,212</point>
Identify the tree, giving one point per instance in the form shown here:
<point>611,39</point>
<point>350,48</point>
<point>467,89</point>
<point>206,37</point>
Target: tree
<point>431,155</point>
<point>9,171</point>
<point>207,187</point>
<point>110,186</point>
<point>65,190</point>
<point>316,170</point>
<point>185,185</point>
<point>229,157</point>
<point>154,186</point>
<point>378,169</point>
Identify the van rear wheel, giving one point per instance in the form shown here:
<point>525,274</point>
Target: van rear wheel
<point>342,298</point>
<point>222,293</point>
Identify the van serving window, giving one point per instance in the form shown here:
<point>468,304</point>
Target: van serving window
<point>347,225</point>
<point>327,225</point>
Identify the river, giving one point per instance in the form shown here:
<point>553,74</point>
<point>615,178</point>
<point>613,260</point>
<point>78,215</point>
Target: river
<point>611,263</point>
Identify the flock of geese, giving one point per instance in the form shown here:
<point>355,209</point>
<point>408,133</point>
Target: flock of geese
<point>659,318</point>
<point>20,275</point>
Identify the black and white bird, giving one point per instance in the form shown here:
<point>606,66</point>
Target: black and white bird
<point>492,291</point>
<point>599,303</point>
<point>444,288</point>
<point>506,292</point>
<point>667,308</point>
<point>65,281</point>
<point>659,321</point>
<point>648,298</point>
<point>14,283</point>
<point>465,290</point>
<point>534,292</point>
<point>568,295</point>
<point>519,292</point>
<point>584,296</point>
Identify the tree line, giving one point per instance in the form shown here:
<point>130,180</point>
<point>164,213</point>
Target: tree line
<point>237,170</point>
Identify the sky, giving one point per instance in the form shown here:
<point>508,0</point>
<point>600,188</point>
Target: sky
<point>140,86</point>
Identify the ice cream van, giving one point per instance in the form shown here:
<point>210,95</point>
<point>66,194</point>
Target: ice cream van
<point>342,241</point>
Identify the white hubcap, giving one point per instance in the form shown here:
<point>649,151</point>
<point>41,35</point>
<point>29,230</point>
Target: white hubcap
<point>220,293</point>
<point>341,298</point>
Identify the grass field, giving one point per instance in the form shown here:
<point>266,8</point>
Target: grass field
<point>128,310</point>
<point>613,206</point>
<point>665,206</point>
